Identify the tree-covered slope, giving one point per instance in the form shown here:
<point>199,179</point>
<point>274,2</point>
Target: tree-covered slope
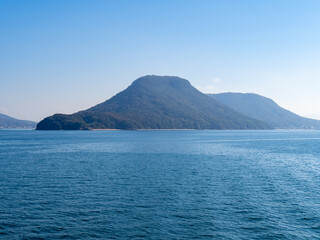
<point>266,110</point>
<point>154,102</point>
<point>10,122</point>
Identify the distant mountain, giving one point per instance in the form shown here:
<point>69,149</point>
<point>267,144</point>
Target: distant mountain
<point>154,102</point>
<point>9,122</point>
<point>265,109</point>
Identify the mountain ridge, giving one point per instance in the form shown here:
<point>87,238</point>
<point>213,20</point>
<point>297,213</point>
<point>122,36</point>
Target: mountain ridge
<point>155,102</point>
<point>265,109</point>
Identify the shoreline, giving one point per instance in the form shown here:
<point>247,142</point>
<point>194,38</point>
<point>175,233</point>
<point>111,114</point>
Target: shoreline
<point>110,129</point>
<point>188,129</point>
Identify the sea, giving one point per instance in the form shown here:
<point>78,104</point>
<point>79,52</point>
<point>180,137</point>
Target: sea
<point>160,184</point>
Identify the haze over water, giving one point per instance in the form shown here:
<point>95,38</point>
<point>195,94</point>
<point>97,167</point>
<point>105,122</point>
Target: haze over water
<point>160,184</point>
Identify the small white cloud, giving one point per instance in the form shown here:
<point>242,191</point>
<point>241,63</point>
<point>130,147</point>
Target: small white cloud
<point>207,89</point>
<point>216,79</point>
<point>210,88</point>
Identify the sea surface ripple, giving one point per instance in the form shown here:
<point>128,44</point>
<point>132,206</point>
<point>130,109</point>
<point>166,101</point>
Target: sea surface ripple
<point>159,184</point>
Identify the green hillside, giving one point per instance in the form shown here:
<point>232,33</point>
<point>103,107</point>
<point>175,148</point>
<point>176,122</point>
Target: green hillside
<point>154,102</point>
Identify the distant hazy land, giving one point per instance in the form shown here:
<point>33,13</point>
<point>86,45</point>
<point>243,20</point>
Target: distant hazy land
<point>266,110</point>
<point>10,122</point>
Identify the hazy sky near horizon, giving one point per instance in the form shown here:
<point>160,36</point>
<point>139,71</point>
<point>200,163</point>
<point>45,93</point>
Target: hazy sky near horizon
<point>65,56</point>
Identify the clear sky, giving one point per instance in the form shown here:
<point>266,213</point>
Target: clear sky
<point>65,56</point>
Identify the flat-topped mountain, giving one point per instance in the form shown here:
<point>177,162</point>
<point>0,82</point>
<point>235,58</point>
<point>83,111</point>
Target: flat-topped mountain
<point>265,109</point>
<point>154,102</point>
<point>10,122</point>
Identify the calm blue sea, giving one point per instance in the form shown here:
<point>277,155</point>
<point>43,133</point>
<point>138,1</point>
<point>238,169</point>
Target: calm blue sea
<point>159,184</point>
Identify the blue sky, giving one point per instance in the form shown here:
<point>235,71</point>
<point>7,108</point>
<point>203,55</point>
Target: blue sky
<point>65,56</point>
